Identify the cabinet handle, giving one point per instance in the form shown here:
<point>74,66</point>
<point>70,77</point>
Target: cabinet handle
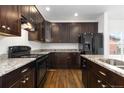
<point>23,81</point>
<point>102,73</point>
<point>104,86</point>
<point>27,78</point>
<point>99,81</point>
<point>24,70</point>
<point>8,28</point>
<point>3,26</point>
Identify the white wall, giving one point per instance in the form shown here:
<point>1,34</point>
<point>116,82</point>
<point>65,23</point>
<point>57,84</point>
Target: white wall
<point>23,40</point>
<point>116,25</point>
<point>59,46</point>
<point>103,28</point>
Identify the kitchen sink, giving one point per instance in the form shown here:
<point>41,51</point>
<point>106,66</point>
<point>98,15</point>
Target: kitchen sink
<point>114,62</point>
<point>121,67</point>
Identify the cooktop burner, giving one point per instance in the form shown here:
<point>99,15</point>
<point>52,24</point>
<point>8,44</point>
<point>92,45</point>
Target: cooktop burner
<point>31,56</point>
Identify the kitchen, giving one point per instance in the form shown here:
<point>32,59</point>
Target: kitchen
<point>40,48</point>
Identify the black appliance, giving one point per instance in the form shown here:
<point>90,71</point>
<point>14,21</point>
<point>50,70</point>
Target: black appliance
<point>40,62</point>
<point>41,70</point>
<point>91,43</point>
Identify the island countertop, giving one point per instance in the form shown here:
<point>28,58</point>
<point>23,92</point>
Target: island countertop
<point>95,59</point>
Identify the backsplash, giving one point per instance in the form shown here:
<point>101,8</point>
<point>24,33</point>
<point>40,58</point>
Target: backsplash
<point>11,41</point>
<point>23,40</point>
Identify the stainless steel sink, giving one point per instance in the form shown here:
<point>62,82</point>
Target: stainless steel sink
<point>114,62</point>
<point>121,67</point>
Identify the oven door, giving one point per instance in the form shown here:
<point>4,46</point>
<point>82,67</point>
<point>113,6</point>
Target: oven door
<point>41,69</point>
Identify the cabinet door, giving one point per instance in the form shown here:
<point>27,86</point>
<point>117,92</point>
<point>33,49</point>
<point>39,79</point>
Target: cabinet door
<point>16,84</point>
<point>41,35</point>
<point>12,20</point>
<point>74,62</point>
<point>84,68</point>
<point>89,27</point>
<point>74,32</point>
<point>64,34</point>
<point>60,32</point>
<point>3,18</point>
<point>25,11</point>
<point>33,14</point>
<point>0,82</point>
<point>48,32</point>
<point>28,80</point>
<point>55,28</point>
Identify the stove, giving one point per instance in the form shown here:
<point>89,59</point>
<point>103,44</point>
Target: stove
<point>22,52</point>
<point>31,56</point>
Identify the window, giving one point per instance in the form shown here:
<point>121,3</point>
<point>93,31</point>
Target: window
<point>116,43</point>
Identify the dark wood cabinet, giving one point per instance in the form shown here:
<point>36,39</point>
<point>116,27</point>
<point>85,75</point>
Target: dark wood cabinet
<point>10,20</point>
<point>48,32</point>
<point>23,77</point>
<point>64,60</point>
<point>25,11</point>
<point>60,33</point>
<point>96,76</point>
<point>36,19</point>
<point>75,30</point>
<point>0,82</point>
<point>67,32</point>
<point>56,32</point>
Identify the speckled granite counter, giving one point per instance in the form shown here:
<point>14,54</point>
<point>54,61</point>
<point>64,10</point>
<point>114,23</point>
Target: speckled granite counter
<point>9,64</point>
<point>57,50</point>
<point>94,58</point>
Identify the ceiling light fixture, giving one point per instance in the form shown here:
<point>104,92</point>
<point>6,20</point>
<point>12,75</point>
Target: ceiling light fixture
<point>47,8</point>
<point>75,14</point>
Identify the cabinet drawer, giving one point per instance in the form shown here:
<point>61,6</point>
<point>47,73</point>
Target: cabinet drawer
<point>99,83</point>
<point>110,77</point>
<point>10,78</point>
<point>103,73</point>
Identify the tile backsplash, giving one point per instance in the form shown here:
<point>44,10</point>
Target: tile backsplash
<point>23,40</point>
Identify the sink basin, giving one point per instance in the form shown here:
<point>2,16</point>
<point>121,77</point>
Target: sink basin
<point>114,62</point>
<point>121,67</point>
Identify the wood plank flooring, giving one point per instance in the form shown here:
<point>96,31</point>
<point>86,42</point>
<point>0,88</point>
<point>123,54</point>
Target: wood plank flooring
<point>64,79</point>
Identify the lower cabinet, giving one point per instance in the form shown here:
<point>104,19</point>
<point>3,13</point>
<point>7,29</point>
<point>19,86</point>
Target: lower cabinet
<point>0,82</point>
<point>23,77</point>
<point>96,76</point>
<point>64,60</point>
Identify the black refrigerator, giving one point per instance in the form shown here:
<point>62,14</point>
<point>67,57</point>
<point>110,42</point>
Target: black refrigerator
<point>91,43</point>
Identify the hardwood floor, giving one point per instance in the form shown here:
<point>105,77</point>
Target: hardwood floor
<point>64,79</point>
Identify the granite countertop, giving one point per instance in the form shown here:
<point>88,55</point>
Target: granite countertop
<point>9,64</point>
<point>58,50</point>
<point>94,58</point>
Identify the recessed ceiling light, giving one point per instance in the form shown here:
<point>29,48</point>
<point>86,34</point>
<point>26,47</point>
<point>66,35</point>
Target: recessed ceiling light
<point>47,8</point>
<point>75,14</point>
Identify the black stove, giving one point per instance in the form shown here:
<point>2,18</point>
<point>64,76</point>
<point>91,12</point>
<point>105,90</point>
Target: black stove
<point>21,52</point>
<point>31,56</point>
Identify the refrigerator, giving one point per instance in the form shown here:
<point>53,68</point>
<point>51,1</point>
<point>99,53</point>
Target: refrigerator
<point>91,43</point>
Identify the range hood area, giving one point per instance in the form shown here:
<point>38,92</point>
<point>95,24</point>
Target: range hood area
<point>26,25</point>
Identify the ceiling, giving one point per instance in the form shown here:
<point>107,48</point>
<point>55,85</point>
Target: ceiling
<point>86,13</point>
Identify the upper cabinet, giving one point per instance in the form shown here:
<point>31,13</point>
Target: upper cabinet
<point>67,32</point>
<point>25,11</point>
<point>33,16</point>
<point>60,33</point>
<point>10,20</point>
<point>74,30</point>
